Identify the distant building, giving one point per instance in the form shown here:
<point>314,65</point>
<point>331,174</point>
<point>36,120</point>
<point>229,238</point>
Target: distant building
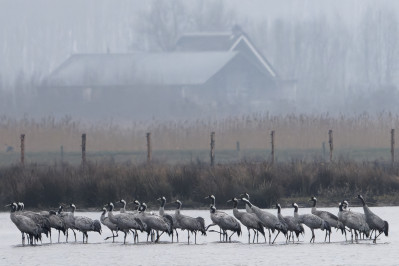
<point>205,71</point>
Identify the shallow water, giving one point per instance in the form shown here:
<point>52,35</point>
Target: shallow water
<point>208,251</point>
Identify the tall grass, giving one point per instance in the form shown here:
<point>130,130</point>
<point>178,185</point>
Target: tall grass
<point>99,183</point>
<point>292,132</point>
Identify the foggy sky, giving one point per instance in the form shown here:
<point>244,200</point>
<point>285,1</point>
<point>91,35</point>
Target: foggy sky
<point>36,36</point>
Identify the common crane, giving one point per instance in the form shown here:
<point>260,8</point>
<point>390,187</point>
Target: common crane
<point>69,219</point>
<point>156,222</point>
<point>293,226</point>
<point>85,224</point>
<point>332,219</point>
<point>192,225</point>
<point>225,222</point>
<point>353,220</point>
<point>24,224</point>
<point>176,225</point>
<point>213,202</point>
<point>111,226</point>
<point>125,222</point>
<point>56,222</point>
<point>249,220</point>
<point>270,221</point>
<point>39,219</point>
<point>374,221</point>
<point>312,221</point>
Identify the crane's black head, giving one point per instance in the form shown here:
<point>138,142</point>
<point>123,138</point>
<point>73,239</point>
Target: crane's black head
<point>244,195</point>
<point>123,202</point>
<point>162,200</point>
<point>20,206</point>
<point>143,207</point>
<point>295,206</point>
<point>246,201</point>
<point>97,226</point>
<point>110,206</point>
<point>179,204</point>
<point>345,204</point>
<point>313,198</point>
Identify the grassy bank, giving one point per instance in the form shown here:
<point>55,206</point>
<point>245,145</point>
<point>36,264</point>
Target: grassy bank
<point>43,186</point>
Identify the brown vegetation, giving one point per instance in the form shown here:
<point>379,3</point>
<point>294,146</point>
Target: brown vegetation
<point>98,183</point>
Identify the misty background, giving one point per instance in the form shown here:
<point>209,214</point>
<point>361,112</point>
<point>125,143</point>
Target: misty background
<point>343,55</point>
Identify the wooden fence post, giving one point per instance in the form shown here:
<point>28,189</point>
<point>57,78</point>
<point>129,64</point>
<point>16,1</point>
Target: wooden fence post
<point>272,142</point>
<point>62,153</point>
<point>84,149</point>
<point>22,149</point>
<point>393,146</point>
<point>212,153</point>
<point>331,142</point>
<point>149,148</point>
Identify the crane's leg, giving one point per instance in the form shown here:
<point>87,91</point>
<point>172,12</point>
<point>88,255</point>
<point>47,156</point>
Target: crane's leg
<point>230,236</point>
<point>276,236</point>
<point>23,239</point>
<point>51,241</point>
<point>87,237</point>
<point>177,235</point>
<point>74,234</point>
<point>188,237</point>
<point>270,236</point>
<point>66,238</point>
<point>375,239</point>
<point>249,236</point>
<point>195,237</point>
<point>124,238</point>
<point>255,234</point>
<point>59,236</point>
<point>313,236</point>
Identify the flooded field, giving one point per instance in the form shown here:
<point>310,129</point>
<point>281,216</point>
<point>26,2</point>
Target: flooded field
<point>208,251</point>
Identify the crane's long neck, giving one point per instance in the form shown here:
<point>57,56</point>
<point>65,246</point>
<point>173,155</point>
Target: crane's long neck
<point>314,203</point>
<point>103,215</point>
<point>235,204</point>
<point>278,209</point>
<point>213,201</point>
<point>363,202</point>
<point>248,204</point>
<point>295,211</point>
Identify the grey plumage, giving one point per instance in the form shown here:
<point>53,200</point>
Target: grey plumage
<point>270,221</point>
<point>69,219</point>
<point>24,224</point>
<point>332,219</point>
<point>39,219</point>
<point>354,221</point>
<point>111,226</point>
<point>374,221</point>
<point>124,221</point>
<point>176,225</point>
<point>249,220</point>
<point>293,226</point>
<point>156,222</point>
<point>312,221</point>
<point>86,224</point>
<point>192,225</point>
<point>56,222</point>
<point>225,222</point>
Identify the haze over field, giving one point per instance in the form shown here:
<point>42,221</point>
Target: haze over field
<point>341,55</point>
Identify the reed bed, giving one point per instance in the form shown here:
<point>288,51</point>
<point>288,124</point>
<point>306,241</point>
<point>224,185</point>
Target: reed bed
<point>294,131</point>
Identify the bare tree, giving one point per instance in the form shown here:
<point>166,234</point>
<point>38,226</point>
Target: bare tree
<point>163,22</point>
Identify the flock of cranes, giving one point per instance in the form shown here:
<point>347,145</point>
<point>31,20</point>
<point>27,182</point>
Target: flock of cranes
<point>33,225</point>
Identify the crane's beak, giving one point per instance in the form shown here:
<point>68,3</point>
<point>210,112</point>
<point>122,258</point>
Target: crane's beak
<point>159,199</point>
<point>207,197</point>
<point>229,200</point>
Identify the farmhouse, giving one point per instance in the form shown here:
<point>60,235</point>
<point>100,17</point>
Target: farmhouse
<point>206,71</point>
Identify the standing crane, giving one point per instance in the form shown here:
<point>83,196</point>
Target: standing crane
<point>249,220</point>
<point>24,224</point>
<point>374,221</point>
<point>312,221</point>
<point>192,225</point>
<point>332,219</point>
<point>111,226</point>
<point>270,221</point>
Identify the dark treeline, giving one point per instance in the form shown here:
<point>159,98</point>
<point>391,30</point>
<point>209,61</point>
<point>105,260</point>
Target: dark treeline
<point>98,183</point>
